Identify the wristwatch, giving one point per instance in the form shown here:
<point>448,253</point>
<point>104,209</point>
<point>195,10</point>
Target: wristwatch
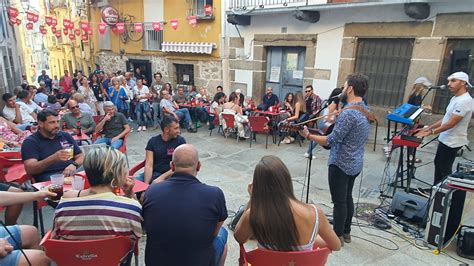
<point>75,164</point>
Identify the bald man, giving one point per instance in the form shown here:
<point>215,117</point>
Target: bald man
<point>71,121</point>
<point>184,217</point>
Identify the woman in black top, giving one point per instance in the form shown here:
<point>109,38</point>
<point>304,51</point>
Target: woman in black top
<point>99,92</point>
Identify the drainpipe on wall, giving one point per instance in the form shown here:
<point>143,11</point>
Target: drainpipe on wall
<point>224,47</point>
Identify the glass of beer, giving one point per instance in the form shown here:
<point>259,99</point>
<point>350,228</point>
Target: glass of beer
<point>58,189</point>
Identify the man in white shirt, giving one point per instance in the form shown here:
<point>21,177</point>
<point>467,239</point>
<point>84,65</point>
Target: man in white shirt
<point>18,112</point>
<point>452,129</point>
<point>141,93</point>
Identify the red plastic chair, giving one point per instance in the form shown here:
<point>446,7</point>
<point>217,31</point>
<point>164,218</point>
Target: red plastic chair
<point>97,118</point>
<point>107,251</point>
<point>12,168</point>
<point>214,120</point>
<point>258,124</point>
<point>258,257</point>
<point>136,168</point>
<point>230,125</point>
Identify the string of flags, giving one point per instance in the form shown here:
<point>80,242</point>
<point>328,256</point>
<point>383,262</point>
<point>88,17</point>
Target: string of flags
<point>85,28</point>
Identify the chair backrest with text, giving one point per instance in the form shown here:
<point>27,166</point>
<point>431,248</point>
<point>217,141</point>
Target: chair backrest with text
<point>108,251</point>
<point>259,257</point>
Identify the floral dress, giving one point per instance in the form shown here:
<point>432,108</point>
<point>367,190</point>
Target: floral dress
<point>7,134</point>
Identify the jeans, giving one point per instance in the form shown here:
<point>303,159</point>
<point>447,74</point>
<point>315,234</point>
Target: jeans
<point>183,113</point>
<point>115,145</point>
<point>340,185</point>
<point>443,161</point>
<point>154,176</point>
<point>156,113</point>
<point>142,110</point>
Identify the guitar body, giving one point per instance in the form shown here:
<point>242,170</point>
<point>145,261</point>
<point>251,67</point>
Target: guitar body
<point>325,128</point>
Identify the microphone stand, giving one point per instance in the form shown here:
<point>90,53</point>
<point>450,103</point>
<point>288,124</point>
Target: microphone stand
<point>310,157</point>
<point>424,96</point>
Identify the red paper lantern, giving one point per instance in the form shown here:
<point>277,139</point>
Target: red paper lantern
<point>192,21</point>
<point>48,20</point>
<point>102,28</point>
<point>18,22</point>
<point>57,34</point>
<point>30,16</point>
<point>138,27</point>
<point>208,10</point>
<point>13,20</point>
<point>54,22</point>
<point>29,26</point>
<point>156,26</point>
<point>12,12</point>
<point>53,30</point>
<point>85,37</point>
<point>84,25</point>
<point>72,37</point>
<point>65,31</point>
<point>120,27</point>
<point>67,23</point>
<point>174,24</point>
<point>114,30</point>
<point>42,29</point>
<point>89,32</point>
<point>35,18</point>
<point>77,32</point>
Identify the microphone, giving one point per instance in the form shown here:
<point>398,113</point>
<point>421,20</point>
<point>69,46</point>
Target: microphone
<point>336,97</point>
<point>442,87</point>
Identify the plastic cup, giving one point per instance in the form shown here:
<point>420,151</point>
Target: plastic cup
<point>71,153</point>
<point>77,183</point>
<point>57,179</point>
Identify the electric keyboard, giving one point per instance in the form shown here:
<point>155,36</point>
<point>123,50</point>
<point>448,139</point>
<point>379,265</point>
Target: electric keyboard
<point>406,141</point>
<point>405,114</point>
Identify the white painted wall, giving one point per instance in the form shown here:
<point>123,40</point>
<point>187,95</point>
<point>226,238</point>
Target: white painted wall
<point>330,30</point>
<point>246,77</point>
<point>153,10</point>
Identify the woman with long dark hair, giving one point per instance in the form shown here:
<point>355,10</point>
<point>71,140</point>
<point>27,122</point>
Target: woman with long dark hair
<point>99,93</point>
<point>276,219</point>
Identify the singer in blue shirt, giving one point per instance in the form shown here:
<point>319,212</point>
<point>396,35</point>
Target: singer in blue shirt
<point>346,158</point>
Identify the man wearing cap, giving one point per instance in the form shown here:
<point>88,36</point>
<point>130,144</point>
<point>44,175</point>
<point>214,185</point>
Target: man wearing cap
<point>452,129</point>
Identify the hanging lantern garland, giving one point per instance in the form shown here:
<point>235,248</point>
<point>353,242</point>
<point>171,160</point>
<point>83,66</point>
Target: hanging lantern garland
<point>85,29</point>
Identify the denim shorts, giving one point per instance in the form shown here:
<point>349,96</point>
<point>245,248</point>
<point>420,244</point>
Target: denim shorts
<point>13,258</point>
<point>219,245</point>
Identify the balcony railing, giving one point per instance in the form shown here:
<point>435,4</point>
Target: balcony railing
<point>248,4</point>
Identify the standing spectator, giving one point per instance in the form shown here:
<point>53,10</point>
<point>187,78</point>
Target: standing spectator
<point>99,93</point>
<point>24,80</point>
<point>171,108</point>
<point>172,239</point>
<point>78,79</point>
<point>113,127</point>
<point>49,150</point>
<point>159,151</point>
<point>269,99</point>
<point>141,93</point>
<point>72,120</point>
<point>118,95</point>
<point>139,75</point>
<point>88,93</point>
<point>55,83</point>
<point>46,79</point>
<point>156,87</point>
<point>129,83</point>
<point>66,82</point>
<point>107,82</point>
<point>312,101</point>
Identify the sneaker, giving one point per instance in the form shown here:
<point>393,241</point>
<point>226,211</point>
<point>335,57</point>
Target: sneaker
<point>341,238</point>
<point>347,238</point>
<point>306,155</point>
<point>139,129</point>
<point>286,141</point>
<point>144,128</point>
<point>192,130</point>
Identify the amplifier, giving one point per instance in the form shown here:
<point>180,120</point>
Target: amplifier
<point>454,212</point>
<point>409,206</point>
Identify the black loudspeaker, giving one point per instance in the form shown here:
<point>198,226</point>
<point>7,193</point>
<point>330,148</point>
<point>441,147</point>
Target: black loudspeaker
<point>417,10</point>
<point>410,207</point>
<point>465,243</point>
<point>454,214</point>
<point>238,20</point>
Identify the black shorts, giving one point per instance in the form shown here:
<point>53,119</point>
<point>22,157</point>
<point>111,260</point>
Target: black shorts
<point>4,187</point>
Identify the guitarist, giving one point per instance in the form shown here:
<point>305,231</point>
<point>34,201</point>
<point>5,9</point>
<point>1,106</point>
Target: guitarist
<point>347,141</point>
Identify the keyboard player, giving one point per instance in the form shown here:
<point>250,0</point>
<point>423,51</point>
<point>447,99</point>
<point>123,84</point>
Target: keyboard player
<point>452,129</point>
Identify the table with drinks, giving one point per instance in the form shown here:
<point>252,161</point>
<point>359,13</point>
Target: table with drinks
<point>274,114</point>
<point>59,184</point>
